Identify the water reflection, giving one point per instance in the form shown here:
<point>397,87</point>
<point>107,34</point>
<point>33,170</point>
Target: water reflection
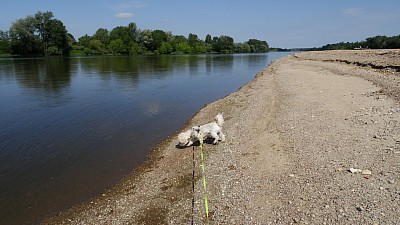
<point>51,74</point>
<point>54,74</point>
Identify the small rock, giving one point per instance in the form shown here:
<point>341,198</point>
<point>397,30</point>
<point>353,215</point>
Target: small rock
<point>291,175</point>
<point>360,208</point>
<point>352,170</point>
<point>366,172</point>
<point>339,169</point>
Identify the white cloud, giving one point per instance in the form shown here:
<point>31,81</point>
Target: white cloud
<point>353,12</point>
<point>123,15</point>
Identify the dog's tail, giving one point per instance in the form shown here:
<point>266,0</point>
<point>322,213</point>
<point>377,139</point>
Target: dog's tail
<point>219,119</point>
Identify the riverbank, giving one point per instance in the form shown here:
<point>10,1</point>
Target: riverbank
<point>292,134</point>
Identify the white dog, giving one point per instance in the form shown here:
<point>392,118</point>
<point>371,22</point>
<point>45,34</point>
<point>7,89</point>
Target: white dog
<point>212,129</point>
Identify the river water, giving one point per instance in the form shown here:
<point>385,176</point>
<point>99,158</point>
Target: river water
<point>70,128</point>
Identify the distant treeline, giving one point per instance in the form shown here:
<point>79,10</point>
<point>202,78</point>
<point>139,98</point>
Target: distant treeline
<point>42,34</point>
<point>377,42</point>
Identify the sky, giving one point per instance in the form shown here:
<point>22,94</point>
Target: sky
<point>282,23</point>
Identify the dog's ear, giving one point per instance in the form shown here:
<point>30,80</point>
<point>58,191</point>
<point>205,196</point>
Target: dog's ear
<point>196,128</point>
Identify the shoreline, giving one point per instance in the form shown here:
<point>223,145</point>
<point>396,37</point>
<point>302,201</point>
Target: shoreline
<point>256,176</point>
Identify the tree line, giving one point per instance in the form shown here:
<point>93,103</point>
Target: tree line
<point>377,42</point>
<point>42,34</point>
<point>124,40</point>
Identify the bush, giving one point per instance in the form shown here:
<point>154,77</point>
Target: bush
<point>53,50</point>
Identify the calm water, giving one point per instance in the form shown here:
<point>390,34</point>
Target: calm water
<point>72,127</point>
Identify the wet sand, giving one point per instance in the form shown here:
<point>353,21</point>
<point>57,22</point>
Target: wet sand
<point>292,134</point>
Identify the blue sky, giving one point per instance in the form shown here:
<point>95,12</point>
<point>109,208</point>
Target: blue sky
<point>283,23</point>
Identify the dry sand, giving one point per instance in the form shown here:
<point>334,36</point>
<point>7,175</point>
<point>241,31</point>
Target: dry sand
<point>292,134</point>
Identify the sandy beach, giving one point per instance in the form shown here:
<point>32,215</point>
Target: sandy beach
<point>292,136</point>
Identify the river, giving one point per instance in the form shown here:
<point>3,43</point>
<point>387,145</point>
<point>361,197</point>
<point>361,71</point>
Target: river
<point>70,128</point>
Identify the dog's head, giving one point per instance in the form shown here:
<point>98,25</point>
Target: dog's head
<point>183,139</point>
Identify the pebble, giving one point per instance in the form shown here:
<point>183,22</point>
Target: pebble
<point>366,172</point>
<point>339,169</point>
<point>352,170</point>
<point>360,208</point>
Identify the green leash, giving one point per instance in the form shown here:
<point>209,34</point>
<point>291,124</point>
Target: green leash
<point>204,182</point>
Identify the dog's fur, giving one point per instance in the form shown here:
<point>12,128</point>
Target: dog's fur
<point>185,138</point>
<point>212,130</point>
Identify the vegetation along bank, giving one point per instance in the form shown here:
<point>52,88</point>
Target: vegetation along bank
<point>42,34</point>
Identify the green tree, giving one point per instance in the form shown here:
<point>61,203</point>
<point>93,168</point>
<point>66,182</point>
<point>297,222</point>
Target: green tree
<point>184,47</point>
<point>158,37</point>
<point>257,45</point>
<point>134,31</point>
<point>23,39</point>
<point>179,39</point>
<point>95,47</point>
<point>4,42</point>
<point>43,23</point>
<point>165,48</point>
<point>35,34</point>
<point>59,37</point>
<point>199,49</point>
<point>393,42</point>
<point>135,49</point>
<point>117,47</point>
<point>208,39</point>
<point>377,42</point>
<point>193,40</point>
<point>84,40</point>
<point>123,33</point>
<point>223,44</point>
<point>146,39</point>
<point>102,35</point>
<point>71,40</point>
<point>242,48</point>
<point>208,43</point>
<point>52,33</point>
